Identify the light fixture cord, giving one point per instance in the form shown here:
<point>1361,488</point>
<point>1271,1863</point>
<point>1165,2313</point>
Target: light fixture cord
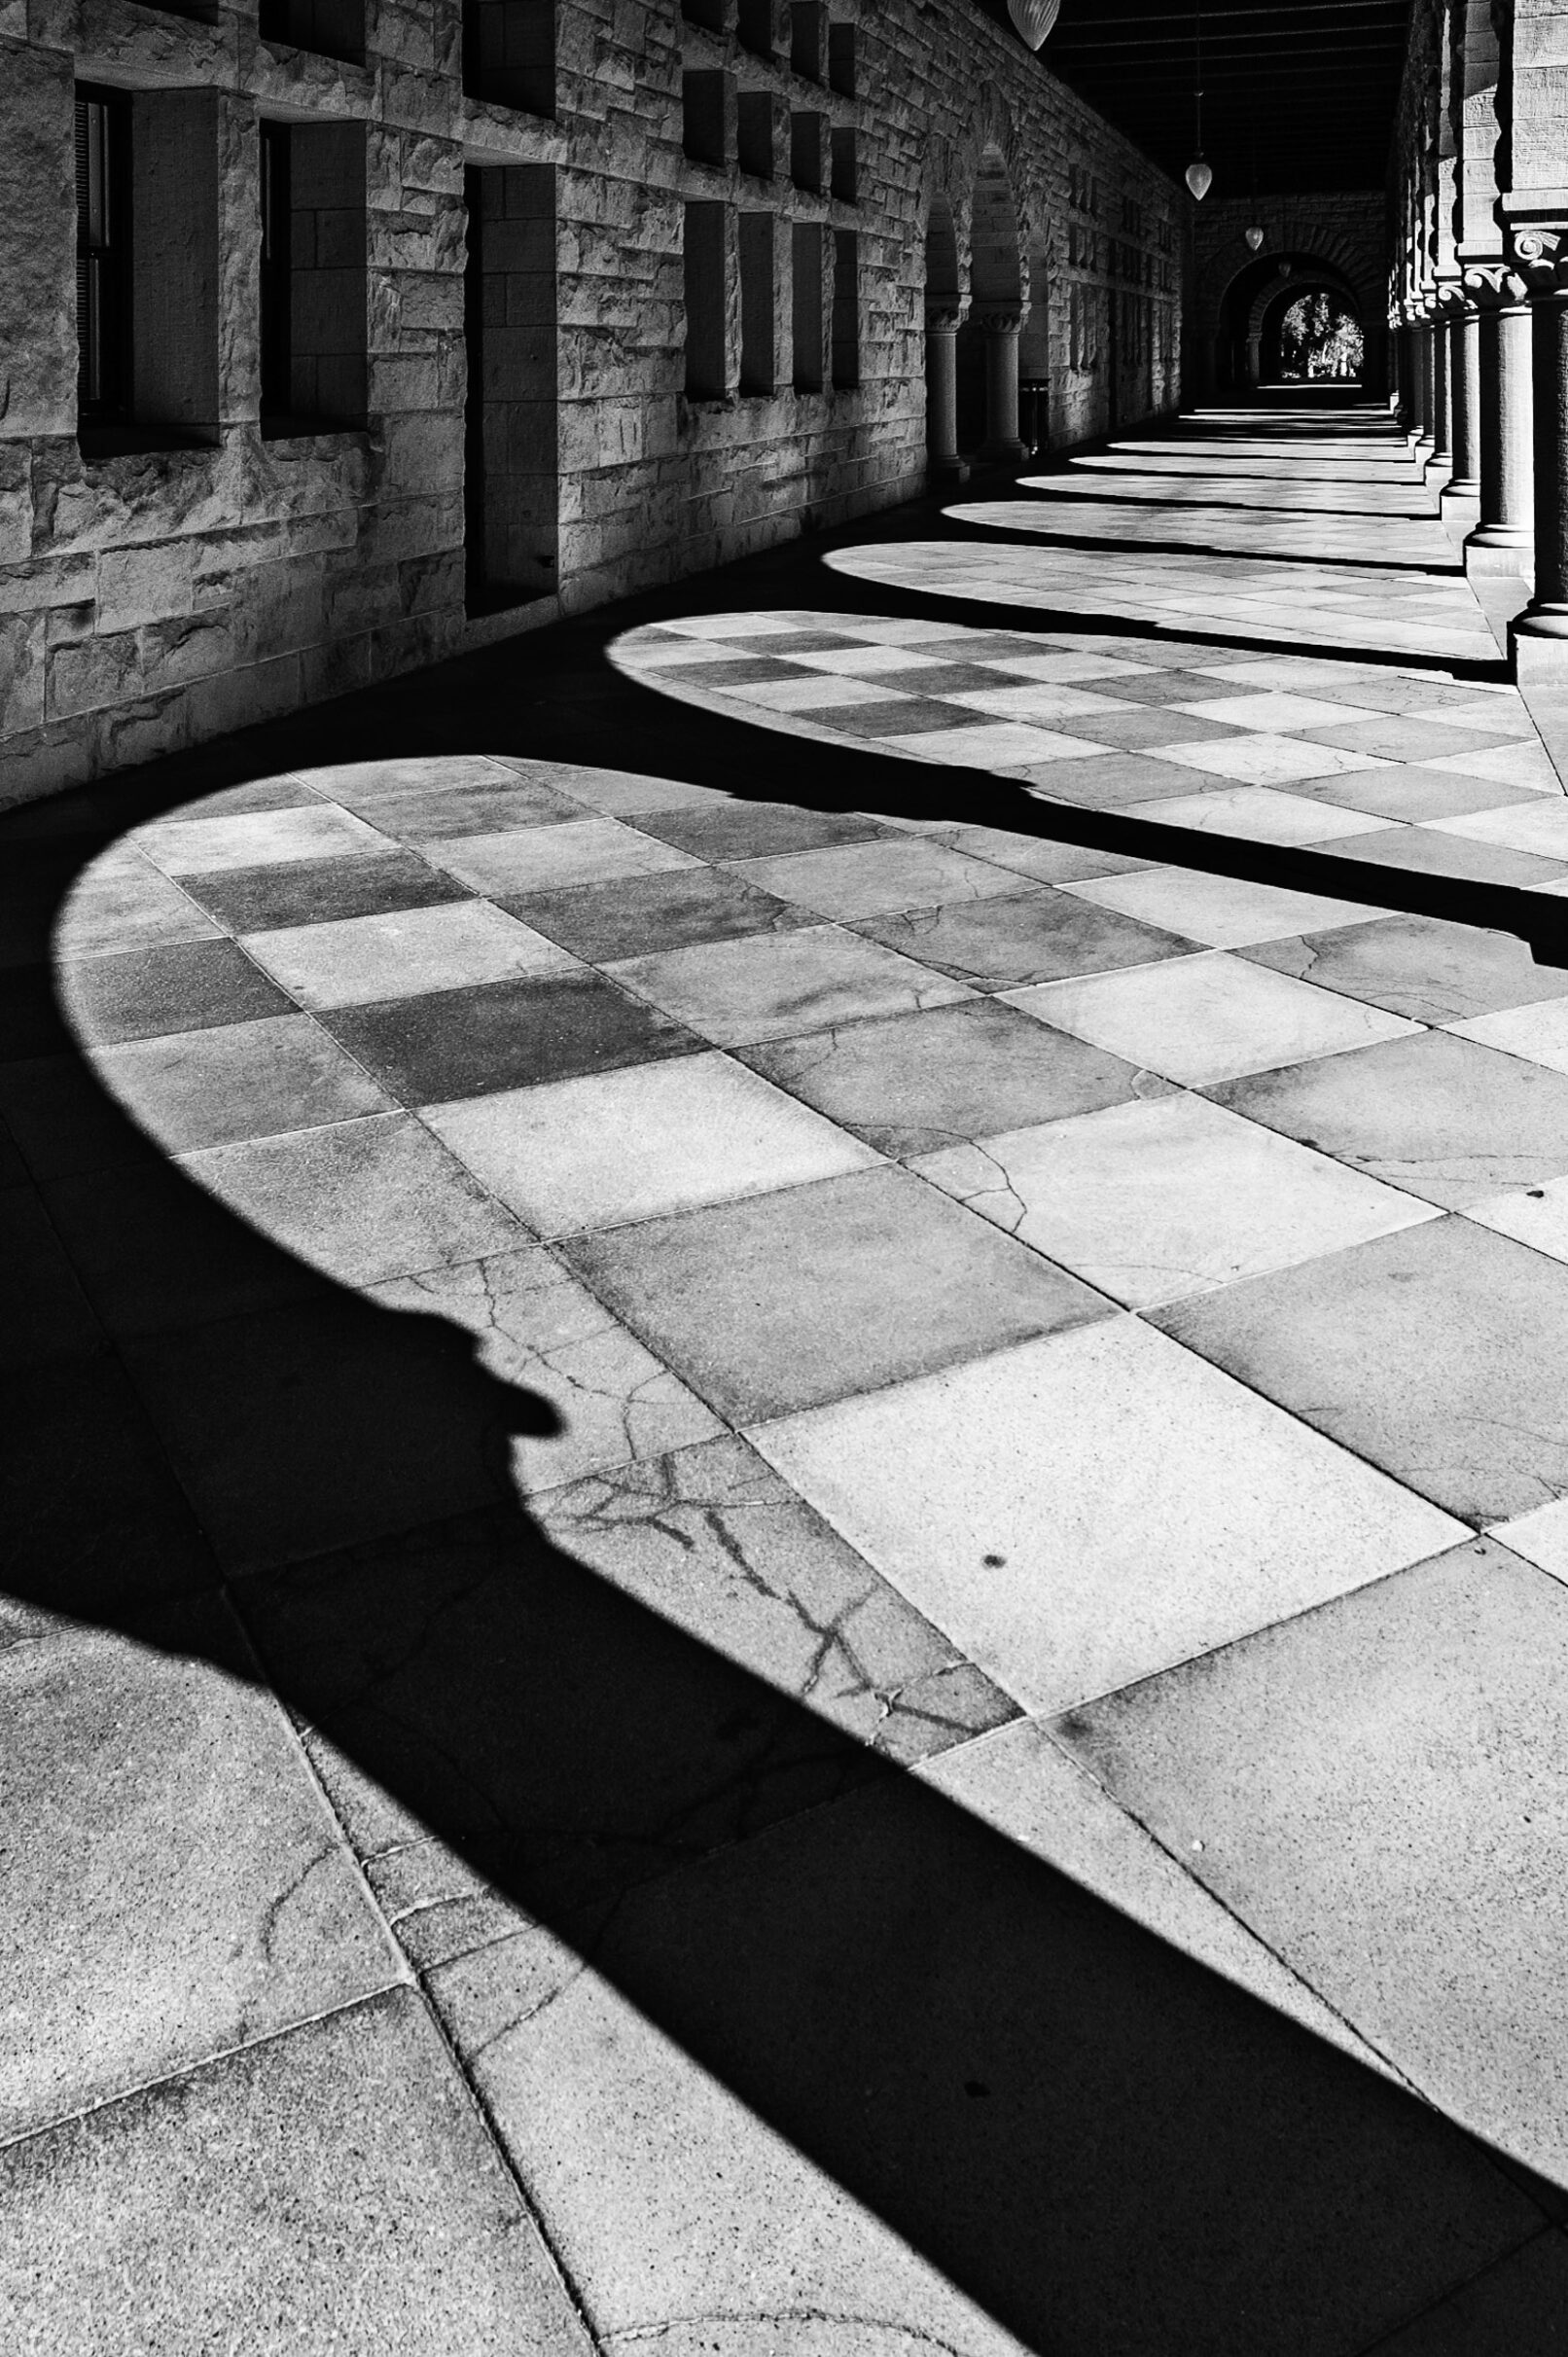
<point>1197,73</point>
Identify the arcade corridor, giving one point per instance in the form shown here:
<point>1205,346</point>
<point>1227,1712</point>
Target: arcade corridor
<point>927,1713</point>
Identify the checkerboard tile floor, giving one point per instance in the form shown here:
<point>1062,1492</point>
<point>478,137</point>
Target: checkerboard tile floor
<point>1094,1331</point>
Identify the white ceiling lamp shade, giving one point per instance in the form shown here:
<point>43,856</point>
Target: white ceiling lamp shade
<point>1255,240</point>
<point>1032,20</point>
<point>1199,175</point>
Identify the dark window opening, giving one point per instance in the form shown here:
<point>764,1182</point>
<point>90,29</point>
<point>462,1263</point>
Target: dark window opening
<point>846,310</point>
<point>509,53</point>
<point>702,112</point>
<point>704,255</point>
<point>754,145</point>
<point>806,39</point>
<point>332,29</point>
<point>805,305</point>
<point>757,357</point>
<point>846,178</point>
<point>277,280</point>
<point>754,24</point>
<point>102,257</point>
<point>842,59</point>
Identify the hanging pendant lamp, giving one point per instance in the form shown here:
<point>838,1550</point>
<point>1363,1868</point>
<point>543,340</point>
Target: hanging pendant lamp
<point>1032,20</point>
<point>1255,239</point>
<point>1199,175</point>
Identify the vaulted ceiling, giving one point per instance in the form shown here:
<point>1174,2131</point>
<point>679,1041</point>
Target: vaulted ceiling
<point>1298,94</point>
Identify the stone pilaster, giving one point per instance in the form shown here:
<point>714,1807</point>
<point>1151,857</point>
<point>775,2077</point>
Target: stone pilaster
<point>942,393</point>
<point>1000,324</point>
<point>1501,540</point>
<point>1538,636</point>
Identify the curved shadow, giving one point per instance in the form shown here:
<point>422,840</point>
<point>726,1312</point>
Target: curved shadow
<point>1102,2144</point>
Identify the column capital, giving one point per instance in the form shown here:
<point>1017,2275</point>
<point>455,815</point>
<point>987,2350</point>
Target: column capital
<point>1539,253</point>
<point>1449,299</point>
<point>1494,285</point>
<point>942,318</point>
<point>1000,318</point>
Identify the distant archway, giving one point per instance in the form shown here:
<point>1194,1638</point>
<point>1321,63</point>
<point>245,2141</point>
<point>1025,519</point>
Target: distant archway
<point>1310,338</point>
<point>995,285</point>
<point>1247,345</point>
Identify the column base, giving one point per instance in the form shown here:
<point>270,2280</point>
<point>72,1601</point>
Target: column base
<point>1497,549</point>
<point>1438,467</point>
<point>947,471</point>
<point>1538,649</point>
<point>1459,510</point>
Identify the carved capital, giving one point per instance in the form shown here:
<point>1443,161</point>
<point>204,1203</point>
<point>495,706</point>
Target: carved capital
<point>1000,318</point>
<point>942,318</point>
<point>1450,303</point>
<point>1494,285</point>
<point>1541,256</point>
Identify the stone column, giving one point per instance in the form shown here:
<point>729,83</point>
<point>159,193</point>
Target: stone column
<point>1415,423</point>
<point>1501,540</point>
<point>1425,390</point>
<point>1464,387</point>
<point>1539,638</point>
<point>941,394</point>
<point>1441,460</point>
<point>1000,324</point>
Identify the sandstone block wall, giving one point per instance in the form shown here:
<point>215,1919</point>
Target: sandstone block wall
<point>497,440</point>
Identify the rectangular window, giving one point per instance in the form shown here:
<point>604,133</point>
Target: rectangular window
<point>314,289</point>
<point>509,53</point>
<point>807,146</point>
<point>754,23</point>
<point>757,356</point>
<point>805,305</point>
<point>103,255</point>
<point>332,29</point>
<point>703,113</point>
<point>846,310</point>
<point>842,59</point>
<point>845,177</point>
<point>704,258</point>
<point>755,116</point>
<point>806,39</point>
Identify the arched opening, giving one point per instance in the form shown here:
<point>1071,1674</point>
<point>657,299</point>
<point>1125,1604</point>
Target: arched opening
<point>996,289</point>
<point>1310,339</point>
<point>1251,349</point>
<point>1034,356</point>
<point>942,306</point>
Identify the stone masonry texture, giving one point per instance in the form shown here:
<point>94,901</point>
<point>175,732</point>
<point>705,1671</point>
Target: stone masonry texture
<point>198,572</point>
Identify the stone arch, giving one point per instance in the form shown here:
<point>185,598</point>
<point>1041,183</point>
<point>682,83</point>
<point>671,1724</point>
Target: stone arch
<point>996,246</point>
<point>1239,283</point>
<point>942,286</point>
<point>1273,301</point>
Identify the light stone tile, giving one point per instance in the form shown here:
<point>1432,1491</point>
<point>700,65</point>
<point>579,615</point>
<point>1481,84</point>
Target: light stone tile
<point>1377,1790</point>
<point>1266,761</point>
<point>1016,1780</point>
<point>1207,1018</point>
<point>400,956</point>
<point>892,632</point>
<point>259,839</point>
<point>868,661</point>
<point>1080,1511</point>
<point>1503,711</point>
<point>1541,827</point>
<point>1540,1536</point>
<point>1274,713</point>
<point>871,879</point>
<point>632,653</point>
<point>1047,702</point>
<point>1062,666</point>
<point>1003,745</point>
<point>548,859</point>
<point>1256,814</point>
<point>1223,911</point>
<point>1537,1216</point>
<point>1157,1202</point>
<point>1522,765</point>
<point>812,693</point>
<point>773,986</point>
<point>740,626</point>
<point>1539,1033</point>
<point>648,1139</point>
<point>543,1333</point>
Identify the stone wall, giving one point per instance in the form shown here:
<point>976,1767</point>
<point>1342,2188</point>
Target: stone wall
<point>197,567</point>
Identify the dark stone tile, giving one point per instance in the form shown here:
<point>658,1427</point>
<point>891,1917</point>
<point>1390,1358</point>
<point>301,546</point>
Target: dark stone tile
<point>915,716</point>
<point>913,1084</point>
<point>30,1020</point>
<point>1101,781</point>
<point>1431,854</point>
<point>319,891</point>
<point>746,670</point>
<point>1410,793</point>
<point>91,1520</point>
<point>322,1424</point>
<point>44,1313</point>
<point>1444,1117</point>
<point>334,2188</point>
<point>34,879</point>
<point>959,678</point>
<point>650,913</point>
<point>1520,2303</point>
<point>187,986</point>
<point>151,1251</point>
<point>1037,936</point>
<point>1146,730</point>
<point>467,809</point>
<point>62,1118</point>
<point>237,1081</point>
<point>504,1035</point>
<point>1172,686</point>
<point>1419,966</point>
<point>802,1296</point>
<point>1440,1354</point>
<point>755,829</point>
